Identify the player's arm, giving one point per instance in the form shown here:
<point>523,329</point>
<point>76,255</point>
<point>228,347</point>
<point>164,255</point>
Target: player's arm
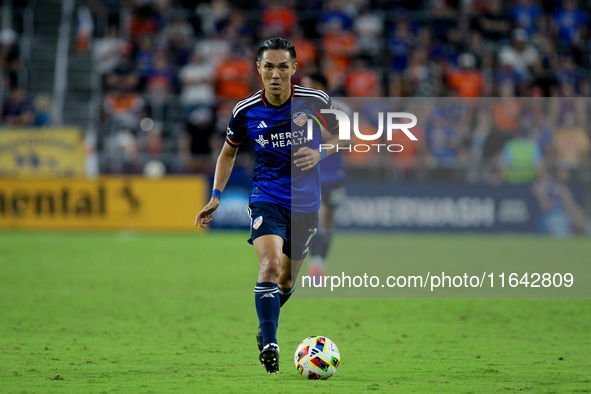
<point>308,157</point>
<point>223,169</point>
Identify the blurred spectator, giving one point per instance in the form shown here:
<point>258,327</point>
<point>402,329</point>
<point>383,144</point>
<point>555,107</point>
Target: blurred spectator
<point>571,144</point>
<point>213,15</point>
<point>197,82</point>
<point>333,13</point>
<point>143,21</point>
<point>564,103</point>
<point>42,109</point>
<point>411,160</point>
<point>561,214</point>
<point>278,19</point>
<point>122,106</point>
<point>368,27</point>
<point>506,78</point>
<point>522,57</point>
<point>107,50</point>
<point>339,45</point>
<point>569,77</point>
<point>17,110</point>
<point>475,46</point>
<point>421,76</point>
<point>241,31</point>
<point>124,75</point>
<point>521,160</point>
<point>306,50</point>
<point>495,23</point>
<point>445,146</point>
<point>526,14</point>
<point>234,76</point>
<point>449,51</point>
<point>362,81</point>
<point>179,36</point>
<point>10,61</point>
<point>536,119</point>
<point>443,16</point>
<point>106,12</point>
<point>123,149</point>
<point>85,29</point>
<point>466,81</point>
<point>145,55</point>
<point>214,47</point>
<point>161,79</point>
<point>195,144</point>
<point>569,23</point>
<point>506,111</point>
<point>400,46</point>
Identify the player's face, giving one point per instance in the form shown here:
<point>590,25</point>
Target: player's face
<point>276,69</point>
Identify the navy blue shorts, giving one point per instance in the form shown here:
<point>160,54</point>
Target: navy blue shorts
<point>296,228</point>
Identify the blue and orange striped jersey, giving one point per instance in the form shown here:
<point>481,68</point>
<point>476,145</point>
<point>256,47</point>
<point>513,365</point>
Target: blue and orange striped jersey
<point>277,133</point>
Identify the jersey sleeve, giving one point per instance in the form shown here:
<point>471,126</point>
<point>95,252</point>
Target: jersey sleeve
<point>329,121</point>
<point>236,130</point>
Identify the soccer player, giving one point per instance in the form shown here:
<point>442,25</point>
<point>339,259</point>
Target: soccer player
<point>332,178</point>
<point>285,190</point>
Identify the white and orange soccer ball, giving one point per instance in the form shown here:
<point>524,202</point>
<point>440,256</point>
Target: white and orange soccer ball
<point>317,358</point>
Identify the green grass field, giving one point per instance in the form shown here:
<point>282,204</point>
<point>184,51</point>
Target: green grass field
<point>128,312</point>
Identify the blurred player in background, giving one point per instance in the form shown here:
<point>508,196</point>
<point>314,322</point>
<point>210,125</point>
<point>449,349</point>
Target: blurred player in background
<point>285,190</point>
<point>332,179</point>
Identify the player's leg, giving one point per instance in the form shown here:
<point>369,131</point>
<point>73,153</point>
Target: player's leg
<point>321,242</point>
<point>287,279</point>
<point>269,251</point>
<point>304,226</point>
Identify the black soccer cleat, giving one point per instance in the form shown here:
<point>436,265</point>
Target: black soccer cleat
<point>269,357</point>
<point>260,339</point>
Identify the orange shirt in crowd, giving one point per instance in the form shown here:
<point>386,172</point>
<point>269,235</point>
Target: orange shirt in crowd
<point>280,20</point>
<point>123,103</point>
<point>467,83</point>
<point>506,113</point>
<point>306,52</point>
<point>234,78</point>
<point>362,83</point>
<point>572,145</point>
<point>339,48</point>
<point>139,27</point>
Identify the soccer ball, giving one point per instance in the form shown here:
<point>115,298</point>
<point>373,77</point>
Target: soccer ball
<point>317,358</point>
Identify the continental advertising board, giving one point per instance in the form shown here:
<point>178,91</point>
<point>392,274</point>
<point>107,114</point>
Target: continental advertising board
<point>136,203</point>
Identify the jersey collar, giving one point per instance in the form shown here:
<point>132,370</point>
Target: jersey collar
<point>285,104</point>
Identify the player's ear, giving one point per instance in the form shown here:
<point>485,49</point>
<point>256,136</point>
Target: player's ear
<point>295,67</point>
<point>258,69</point>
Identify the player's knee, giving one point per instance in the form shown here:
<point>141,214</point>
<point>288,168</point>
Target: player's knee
<point>270,268</point>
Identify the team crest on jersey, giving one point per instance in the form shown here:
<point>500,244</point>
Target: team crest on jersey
<point>300,118</point>
<point>257,223</point>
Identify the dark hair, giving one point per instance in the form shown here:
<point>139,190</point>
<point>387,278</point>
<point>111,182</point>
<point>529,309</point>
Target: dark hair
<point>276,43</point>
<point>318,77</point>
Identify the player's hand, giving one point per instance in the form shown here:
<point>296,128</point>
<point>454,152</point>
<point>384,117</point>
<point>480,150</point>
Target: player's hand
<point>307,158</point>
<point>205,216</point>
